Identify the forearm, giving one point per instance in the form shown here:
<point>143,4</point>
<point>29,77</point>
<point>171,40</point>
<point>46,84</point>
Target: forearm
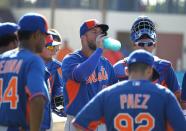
<point>36,112</point>
<point>85,69</point>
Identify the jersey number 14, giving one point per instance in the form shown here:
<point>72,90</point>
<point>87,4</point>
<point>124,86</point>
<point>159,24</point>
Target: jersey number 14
<point>10,93</point>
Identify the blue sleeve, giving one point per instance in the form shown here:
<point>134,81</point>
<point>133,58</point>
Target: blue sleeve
<point>84,70</point>
<point>171,80</point>
<point>112,76</point>
<point>80,70</point>
<point>183,92</point>
<point>35,78</point>
<point>119,69</point>
<point>84,118</point>
<point>174,114</point>
<point>57,86</point>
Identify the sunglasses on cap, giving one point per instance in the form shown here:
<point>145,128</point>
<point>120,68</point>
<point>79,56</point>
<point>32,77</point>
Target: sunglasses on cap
<point>143,44</point>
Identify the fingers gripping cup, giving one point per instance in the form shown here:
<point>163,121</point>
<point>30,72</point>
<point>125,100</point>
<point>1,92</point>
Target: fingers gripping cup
<point>111,44</point>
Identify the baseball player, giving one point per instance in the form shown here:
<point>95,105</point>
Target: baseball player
<point>54,82</point>
<point>143,36</point>
<point>136,104</point>
<point>54,66</point>
<point>85,72</point>
<point>8,36</point>
<point>23,91</point>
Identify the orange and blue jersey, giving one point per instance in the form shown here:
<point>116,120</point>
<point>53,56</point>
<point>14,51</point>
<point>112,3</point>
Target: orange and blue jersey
<point>54,84</point>
<point>132,105</point>
<point>55,77</point>
<point>83,78</point>
<point>167,75</point>
<point>21,79</point>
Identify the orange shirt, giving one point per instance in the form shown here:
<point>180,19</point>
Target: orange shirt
<point>62,53</point>
<point>113,56</point>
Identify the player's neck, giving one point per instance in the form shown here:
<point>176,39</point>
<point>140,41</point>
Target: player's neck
<point>87,52</point>
<point>138,76</point>
<point>27,45</point>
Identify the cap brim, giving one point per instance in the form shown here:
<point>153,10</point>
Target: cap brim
<point>155,74</point>
<point>50,33</point>
<point>54,43</point>
<point>104,27</point>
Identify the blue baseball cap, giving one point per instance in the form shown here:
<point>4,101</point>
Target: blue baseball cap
<point>8,28</point>
<point>51,42</point>
<point>33,22</point>
<point>90,24</point>
<point>142,56</point>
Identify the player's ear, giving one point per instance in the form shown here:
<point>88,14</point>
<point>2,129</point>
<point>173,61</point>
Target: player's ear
<point>83,37</point>
<point>126,71</point>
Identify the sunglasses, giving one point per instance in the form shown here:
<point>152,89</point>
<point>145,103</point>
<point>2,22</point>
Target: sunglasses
<point>143,44</point>
<point>50,47</point>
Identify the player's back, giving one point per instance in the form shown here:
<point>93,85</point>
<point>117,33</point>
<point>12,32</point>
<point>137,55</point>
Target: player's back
<point>15,66</point>
<point>141,106</point>
<point>167,75</point>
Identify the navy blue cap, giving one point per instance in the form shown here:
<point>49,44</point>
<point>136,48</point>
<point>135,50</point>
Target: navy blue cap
<point>33,22</point>
<point>8,28</point>
<point>142,56</point>
<point>90,24</point>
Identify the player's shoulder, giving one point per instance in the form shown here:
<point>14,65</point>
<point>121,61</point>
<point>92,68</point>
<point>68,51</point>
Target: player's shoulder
<point>24,54</point>
<point>122,62</point>
<point>116,87</point>
<point>54,63</point>
<point>162,62</point>
<point>162,90</point>
<point>119,68</point>
<point>74,56</point>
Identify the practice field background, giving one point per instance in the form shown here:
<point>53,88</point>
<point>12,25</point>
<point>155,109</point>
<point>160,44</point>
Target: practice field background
<point>179,75</point>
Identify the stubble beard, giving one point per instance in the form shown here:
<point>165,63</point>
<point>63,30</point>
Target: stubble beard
<point>92,46</point>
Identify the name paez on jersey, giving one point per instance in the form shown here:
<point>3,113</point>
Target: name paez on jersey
<point>134,101</point>
<point>10,66</point>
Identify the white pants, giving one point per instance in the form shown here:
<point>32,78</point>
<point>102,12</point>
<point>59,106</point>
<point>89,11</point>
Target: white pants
<point>70,127</point>
<point>184,112</point>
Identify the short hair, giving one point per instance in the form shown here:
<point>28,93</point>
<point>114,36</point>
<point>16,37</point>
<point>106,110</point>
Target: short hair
<point>6,39</point>
<point>137,67</point>
<point>24,35</point>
